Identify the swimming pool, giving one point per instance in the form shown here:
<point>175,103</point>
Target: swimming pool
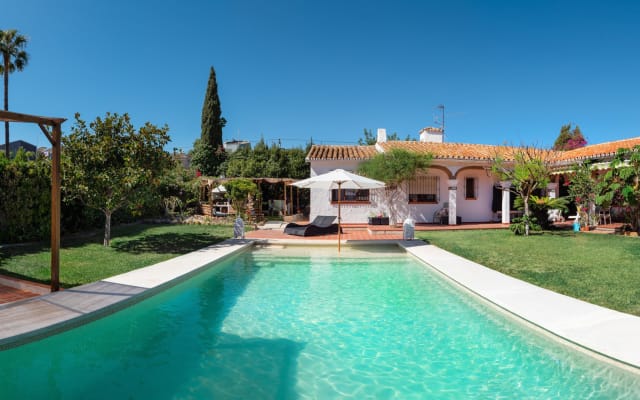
<point>373,323</point>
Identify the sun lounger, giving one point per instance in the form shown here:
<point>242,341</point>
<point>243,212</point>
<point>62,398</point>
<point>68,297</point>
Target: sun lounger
<point>321,225</point>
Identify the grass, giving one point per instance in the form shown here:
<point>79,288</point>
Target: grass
<point>83,258</point>
<point>600,269</point>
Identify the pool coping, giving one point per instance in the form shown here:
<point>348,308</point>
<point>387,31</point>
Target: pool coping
<point>38,317</point>
<point>609,333</point>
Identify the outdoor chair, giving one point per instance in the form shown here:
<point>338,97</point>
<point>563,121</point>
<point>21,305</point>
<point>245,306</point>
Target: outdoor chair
<point>441,216</point>
<point>321,225</point>
<point>603,215</point>
<point>555,215</point>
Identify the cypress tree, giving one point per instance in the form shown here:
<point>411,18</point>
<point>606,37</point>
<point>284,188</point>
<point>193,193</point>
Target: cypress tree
<point>212,121</point>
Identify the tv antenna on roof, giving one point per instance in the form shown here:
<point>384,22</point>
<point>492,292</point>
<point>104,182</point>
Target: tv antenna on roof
<point>441,107</point>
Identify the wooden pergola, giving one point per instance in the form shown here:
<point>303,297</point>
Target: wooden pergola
<point>52,129</point>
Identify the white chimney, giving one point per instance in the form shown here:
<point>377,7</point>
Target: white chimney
<point>432,135</point>
<point>382,135</point>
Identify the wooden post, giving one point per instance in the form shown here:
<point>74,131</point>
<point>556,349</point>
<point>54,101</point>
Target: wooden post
<point>54,138</point>
<point>291,198</point>
<point>285,197</point>
<point>339,217</point>
<point>55,209</point>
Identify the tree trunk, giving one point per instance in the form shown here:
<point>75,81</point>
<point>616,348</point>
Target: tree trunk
<point>525,198</point>
<point>107,228</point>
<point>6,104</point>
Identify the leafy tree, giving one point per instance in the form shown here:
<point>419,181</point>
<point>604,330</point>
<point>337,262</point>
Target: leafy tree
<point>208,159</point>
<point>622,182</point>
<point>394,168</point>
<point>212,121</point>
<point>569,139</point>
<point>109,165</point>
<point>583,189</point>
<point>529,170</point>
<point>297,166</point>
<point>239,190</point>
<point>14,58</point>
<point>577,140</point>
<point>371,139</point>
<point>267,161</point>
<point>179,188</point>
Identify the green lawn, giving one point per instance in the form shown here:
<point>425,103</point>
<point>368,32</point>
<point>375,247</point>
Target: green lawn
<point>600,269</point>
<point>84,259</point>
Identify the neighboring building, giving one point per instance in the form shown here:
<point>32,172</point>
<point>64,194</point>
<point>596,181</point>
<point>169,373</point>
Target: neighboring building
<point>235,145</point>
<point>18,144</point>
<point>458,183</point>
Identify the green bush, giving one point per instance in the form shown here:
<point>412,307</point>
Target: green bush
<point>539,205</point>
<point>25,198</point>
<point>519,225</point>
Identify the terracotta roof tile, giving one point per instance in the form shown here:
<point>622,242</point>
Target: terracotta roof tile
<point>458,151</point>
<point>463,151</point>
<point>599,150</point>
<point>329,152</point>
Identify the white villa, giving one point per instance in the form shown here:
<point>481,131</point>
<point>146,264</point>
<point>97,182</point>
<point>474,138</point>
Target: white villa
<point>457,187</point>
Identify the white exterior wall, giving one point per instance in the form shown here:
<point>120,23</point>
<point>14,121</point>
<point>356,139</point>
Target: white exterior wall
<point>478,210</point>
<point>321,199</point>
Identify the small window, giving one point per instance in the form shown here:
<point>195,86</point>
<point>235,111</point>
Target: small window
<point>424,189</point>
<point>350,195</point>
<point>470,189</point>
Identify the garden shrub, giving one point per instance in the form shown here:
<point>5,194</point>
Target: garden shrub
<point>25,198</point>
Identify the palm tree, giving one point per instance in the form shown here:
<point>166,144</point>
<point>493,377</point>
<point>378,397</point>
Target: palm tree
<point>14,57</point>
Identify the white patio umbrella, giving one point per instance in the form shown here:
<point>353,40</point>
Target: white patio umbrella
<point>339,179</point>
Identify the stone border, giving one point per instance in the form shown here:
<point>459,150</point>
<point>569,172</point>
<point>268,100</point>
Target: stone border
<point>598,330</point>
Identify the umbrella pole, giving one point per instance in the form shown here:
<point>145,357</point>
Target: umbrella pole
<point>339,217</point>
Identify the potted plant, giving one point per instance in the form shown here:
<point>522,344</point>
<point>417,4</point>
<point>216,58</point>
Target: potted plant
<point>379,218</point>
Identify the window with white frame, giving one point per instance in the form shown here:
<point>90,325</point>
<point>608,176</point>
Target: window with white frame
<point>424,189</point>
<point>470,188</point>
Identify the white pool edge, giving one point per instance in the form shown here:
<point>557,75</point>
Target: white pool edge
<point>32,319</point>
<point>607,334</point>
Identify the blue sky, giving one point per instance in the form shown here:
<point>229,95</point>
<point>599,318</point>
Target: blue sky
<point>507,71</point>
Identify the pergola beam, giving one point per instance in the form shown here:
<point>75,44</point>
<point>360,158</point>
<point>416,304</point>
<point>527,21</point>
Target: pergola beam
<point>54,136</point>
<point>46,133</point>
<point>10,116</point>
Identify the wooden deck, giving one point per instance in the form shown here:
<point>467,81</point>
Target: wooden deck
<point>72,306</point>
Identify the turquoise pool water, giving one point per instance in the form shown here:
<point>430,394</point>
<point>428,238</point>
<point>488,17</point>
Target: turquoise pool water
<point>369,324</point>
